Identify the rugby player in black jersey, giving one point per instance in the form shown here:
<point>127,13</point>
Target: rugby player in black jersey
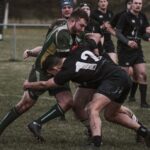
<point>103,15</point>
<point>110,82</point>
<point>111,28</point>
<point>131,29</point>
<point>84,94</point>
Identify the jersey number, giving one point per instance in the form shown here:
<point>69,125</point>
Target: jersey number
<point>87,66</point>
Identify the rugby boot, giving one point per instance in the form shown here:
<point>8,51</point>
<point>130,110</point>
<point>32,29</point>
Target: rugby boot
<point>147,138</point>
<point>92,147</point>
<point>35,128</point>
<point>63,118</point>
<point>139,139</point>
<point>131,99</point>
<point>95,143</point>
<point>145,105</point>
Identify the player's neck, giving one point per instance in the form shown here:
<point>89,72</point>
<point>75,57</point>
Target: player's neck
<point>102,10</point>
<point>134,13</point>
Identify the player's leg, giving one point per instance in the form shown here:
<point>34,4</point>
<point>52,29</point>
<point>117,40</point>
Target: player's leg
<point>112,113</point>
<point>81,97</point>
<point>134,85</point>
<point>113,56</point>
<point>140,70</point>
<point>98,103</point>
<point>64,103</point>
<point>22,106</point>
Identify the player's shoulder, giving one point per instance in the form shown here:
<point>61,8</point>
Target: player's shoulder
<point>143,15</point>
<point>109,11</point>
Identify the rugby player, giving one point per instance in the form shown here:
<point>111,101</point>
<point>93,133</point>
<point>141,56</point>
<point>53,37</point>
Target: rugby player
<point>130,29</point>
<point>57,44</point>
<point>103,15</point>
<point>111,84</point>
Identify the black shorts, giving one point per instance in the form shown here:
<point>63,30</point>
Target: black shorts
<point>128,57</point>
<point>39,75</point>
<point>109,47</point>
<point>116,87</point>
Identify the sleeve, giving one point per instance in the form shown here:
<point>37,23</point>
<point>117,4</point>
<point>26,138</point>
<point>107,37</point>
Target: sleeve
<point>114,20</point>
<point>146,23</point>
<point>146,37</point>
<point>62,41</point>
<point>119,28</point>
<point>121,37</point>
<point>121,23</point>
<point>63,76</point>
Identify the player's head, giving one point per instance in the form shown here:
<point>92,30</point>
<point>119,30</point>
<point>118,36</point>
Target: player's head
<point>93,36</point>
<point>102,4</point>
<point>128,4</point>
<point>86,7</point>
<point>136,6</point>
<point>53,64</point>
<point>91,41</point>
<point>78,21</point>
<point>66,8</point>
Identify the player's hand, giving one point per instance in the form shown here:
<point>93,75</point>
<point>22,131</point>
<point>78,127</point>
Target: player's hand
<point>26,54</point>
<point>106,25</point>
<point>132,44</point>
<point>25,85</point>
<point>148,30</point>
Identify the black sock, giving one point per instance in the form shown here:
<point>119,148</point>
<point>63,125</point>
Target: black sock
<point>9,118</point>
<point>87,125</point>
<point>143,92</point>
<point>54,112</point>
<point>142,131</point>
<point>133,89</point>
<point>96,140</point>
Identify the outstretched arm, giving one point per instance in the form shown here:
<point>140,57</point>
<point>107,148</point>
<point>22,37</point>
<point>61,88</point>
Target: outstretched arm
<point>39,84</point>
<point>32,53</point>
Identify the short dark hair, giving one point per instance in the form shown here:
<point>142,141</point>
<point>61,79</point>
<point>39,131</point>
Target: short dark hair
<point>84,4</point>
<point>50,62</point>
<point>77,14</point>
<point>127,1</point>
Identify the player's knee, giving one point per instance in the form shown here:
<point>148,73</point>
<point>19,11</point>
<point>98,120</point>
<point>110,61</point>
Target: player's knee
<point>91,110</point>
<point>24,105</point>
<point>142,77</point>
<point>107,116</point>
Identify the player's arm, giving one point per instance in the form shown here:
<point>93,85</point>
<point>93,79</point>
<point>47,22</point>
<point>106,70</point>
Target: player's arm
<point>119,28</point>
<point>148,30</point>
<point>40,84</point>
<point>109,28</point>
<point>32,53</point>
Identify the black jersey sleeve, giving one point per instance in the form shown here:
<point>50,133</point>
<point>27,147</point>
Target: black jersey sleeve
<point>121,22</point>
<point>115,19</point>
<point>146,23</point>
<point>63,76</point>
<point>120,27</point>
<point>146,37</point>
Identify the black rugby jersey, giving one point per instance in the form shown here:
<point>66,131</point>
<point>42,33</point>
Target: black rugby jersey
<point>101,17</point>
<point>84,67</point>
<point>132,27</point>
<point>93,27</point>
<point>116,18</point>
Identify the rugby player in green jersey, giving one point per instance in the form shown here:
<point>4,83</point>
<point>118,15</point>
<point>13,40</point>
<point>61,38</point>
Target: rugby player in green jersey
<point>57,44</point>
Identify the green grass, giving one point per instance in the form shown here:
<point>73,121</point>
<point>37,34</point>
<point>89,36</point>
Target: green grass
<point>59,135</point>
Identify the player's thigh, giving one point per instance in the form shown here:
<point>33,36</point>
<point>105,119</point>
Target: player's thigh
<point>64,99</point>
<point>82,96</point>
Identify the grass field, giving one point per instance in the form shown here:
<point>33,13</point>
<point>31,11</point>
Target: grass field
<point>59,135</point>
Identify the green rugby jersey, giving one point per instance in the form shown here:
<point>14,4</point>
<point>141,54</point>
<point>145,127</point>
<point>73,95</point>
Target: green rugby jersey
<point>58,42</point>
